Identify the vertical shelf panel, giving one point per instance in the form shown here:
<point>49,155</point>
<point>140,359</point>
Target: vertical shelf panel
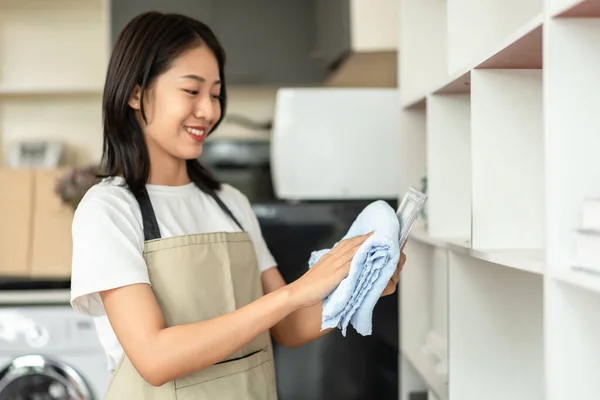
<point>496,337</point>
<point>477,27</point>
<point>572,132</point>
<point>416,295</point>
<point>423,44</point>
<point>424,310</point>
<point>449,165</point>
<point>508,163</point>
<point>413,144</point>
<point>572,344</point>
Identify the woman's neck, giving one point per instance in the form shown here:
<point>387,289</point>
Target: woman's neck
<point>168,171</point>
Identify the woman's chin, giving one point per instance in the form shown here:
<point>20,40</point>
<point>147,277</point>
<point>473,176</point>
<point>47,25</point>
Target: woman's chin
<point>191,153</point>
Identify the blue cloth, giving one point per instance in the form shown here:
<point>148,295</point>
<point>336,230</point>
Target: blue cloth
<point>373,265</point>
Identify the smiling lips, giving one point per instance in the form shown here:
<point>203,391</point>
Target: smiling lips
<point>197,133</point>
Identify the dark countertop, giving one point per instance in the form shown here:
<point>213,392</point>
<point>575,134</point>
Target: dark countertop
<point>22,290</point>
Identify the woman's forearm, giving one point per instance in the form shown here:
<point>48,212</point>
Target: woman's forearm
<point>187,348</point>
<point>162,354</point>
<point>300,327</point>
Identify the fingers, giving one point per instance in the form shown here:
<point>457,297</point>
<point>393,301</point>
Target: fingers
<point>356,241</point>
<point>402,261</point>
<point>346,248</point>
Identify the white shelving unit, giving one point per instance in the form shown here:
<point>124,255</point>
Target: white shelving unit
<point>500,109</point>
<point>53,58</point>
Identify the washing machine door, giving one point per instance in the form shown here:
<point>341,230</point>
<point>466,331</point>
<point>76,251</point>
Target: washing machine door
<point>35,377</point>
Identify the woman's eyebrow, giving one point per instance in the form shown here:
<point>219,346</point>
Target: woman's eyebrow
<point>198,78</point>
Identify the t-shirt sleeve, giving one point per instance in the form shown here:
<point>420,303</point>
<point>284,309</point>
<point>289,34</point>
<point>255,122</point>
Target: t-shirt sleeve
<point>107,250</point>
<point>252,226</point>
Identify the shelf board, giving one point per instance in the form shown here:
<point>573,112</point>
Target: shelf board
<point>529,260</point>
<point>425,366</point>
<point>525,260</point>
<point>460,82</point>
<point>421,235</point>
<point>579,278</point>
<point>416,102</point>
<point>521,50</point>
<point>580,9</point>
<point>13,91</point>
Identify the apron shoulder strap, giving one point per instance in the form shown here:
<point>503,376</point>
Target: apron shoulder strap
<point>151,229</point>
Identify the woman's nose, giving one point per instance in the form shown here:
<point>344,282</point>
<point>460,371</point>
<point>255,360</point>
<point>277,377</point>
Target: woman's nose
<point>207,108</point>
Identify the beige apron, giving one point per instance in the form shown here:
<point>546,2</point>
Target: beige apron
<point>194,278</point>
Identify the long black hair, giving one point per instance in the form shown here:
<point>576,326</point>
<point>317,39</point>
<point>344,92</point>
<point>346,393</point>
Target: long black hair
<point>146,48</point>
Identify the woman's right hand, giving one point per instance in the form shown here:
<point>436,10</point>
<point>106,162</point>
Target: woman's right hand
<point>320,280</point>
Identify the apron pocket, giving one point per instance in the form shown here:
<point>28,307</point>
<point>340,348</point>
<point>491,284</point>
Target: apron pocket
<point>223,370</point>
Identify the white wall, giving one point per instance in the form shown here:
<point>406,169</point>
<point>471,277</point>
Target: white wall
<point>374,25</point>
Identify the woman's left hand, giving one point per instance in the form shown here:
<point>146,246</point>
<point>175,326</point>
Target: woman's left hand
<point>392,284</point>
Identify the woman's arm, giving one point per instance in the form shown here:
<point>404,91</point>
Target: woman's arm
<point>301,326</point>
<point>304,324</point>
<point>161,353</point>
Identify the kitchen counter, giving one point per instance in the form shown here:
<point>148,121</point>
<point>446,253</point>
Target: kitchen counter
<point>33,296</point>
<point>15,291</point>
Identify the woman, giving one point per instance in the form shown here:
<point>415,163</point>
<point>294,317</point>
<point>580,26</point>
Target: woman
<point>171,262</point>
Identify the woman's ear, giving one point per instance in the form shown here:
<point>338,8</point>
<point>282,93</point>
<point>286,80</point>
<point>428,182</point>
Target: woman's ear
<point>135,98</point>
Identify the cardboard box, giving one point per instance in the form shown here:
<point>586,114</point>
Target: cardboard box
<point>16,217</point>
<point>51,244</point>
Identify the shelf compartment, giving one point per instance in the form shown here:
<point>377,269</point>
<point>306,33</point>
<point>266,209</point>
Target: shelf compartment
<point>575,8</point>
<point>477,26</point>
<point>507,142</point>
<point>449,165</point>
<point>424,308</point>
<point>580,278</point>
<point>572,134</point>
<point>496,316</point>
<point>521,50</point>
<point>572,345</point>
<point>423,62</point>
<point>425,367</point>
<point>37,118</point>
<point>530,260</point>
<point>413,143</point>
<point>67,45</point>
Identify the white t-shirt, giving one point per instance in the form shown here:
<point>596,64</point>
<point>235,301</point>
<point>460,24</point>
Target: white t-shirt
<point>108,240</point>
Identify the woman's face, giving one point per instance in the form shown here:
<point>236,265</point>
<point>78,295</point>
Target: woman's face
<point>181,106</point>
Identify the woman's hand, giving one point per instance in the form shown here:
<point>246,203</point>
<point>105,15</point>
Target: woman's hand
<point>319,281</point>
<point>392,284</point>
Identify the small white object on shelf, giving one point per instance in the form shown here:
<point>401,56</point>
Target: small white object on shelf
<point>588,249</point>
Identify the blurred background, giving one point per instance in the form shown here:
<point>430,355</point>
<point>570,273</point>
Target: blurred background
<point>488,106</point>
<point>310,136</point>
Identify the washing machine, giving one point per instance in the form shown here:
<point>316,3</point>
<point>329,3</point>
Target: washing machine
<point>50,353</point>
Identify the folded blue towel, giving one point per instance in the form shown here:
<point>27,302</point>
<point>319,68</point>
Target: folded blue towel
<point>371,269</point>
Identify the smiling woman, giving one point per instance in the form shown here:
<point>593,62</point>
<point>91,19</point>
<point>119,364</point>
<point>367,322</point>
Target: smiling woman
<point>176,71</point>
<point>171,262</point>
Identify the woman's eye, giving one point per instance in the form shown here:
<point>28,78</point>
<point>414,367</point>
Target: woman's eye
<point>216,96</point>
<point>192,92</point>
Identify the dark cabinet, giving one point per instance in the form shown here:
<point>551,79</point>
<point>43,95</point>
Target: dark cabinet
<point>122,11</point>
<point>332,31</point>
<point>268,43</point>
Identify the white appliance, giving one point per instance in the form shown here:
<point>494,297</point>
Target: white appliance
<point>336,143</point>
<point>50,352</point>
